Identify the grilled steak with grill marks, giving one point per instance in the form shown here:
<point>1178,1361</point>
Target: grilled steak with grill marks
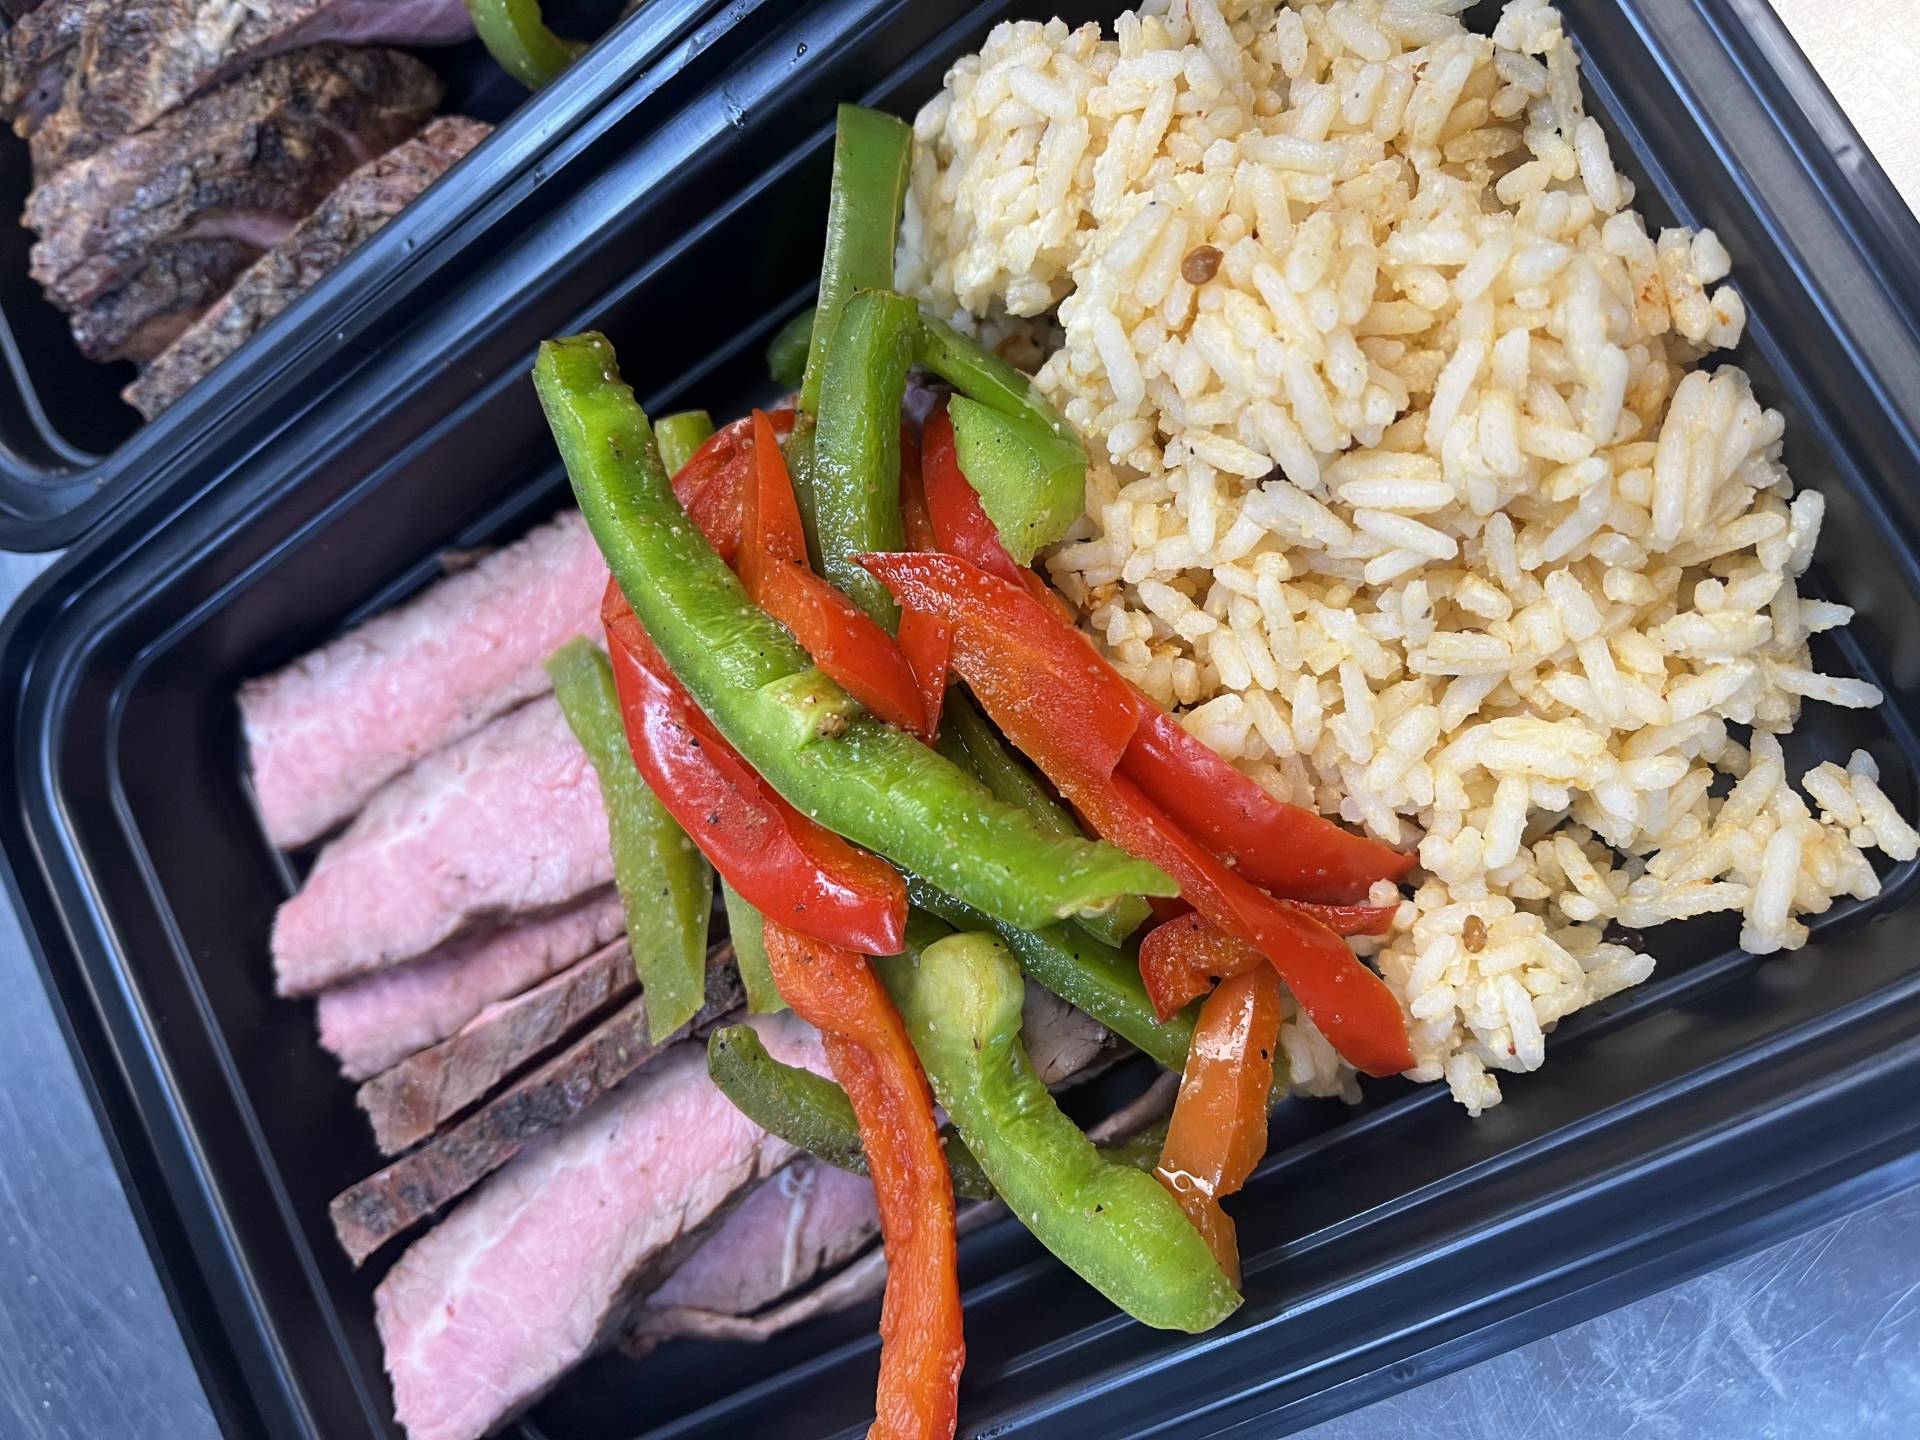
<point>407,1103</point>
<point>107,68</point>
<point>538,1269</point>
<point>382,1206</point>
<point>139,238</point>
<point>346,219</point>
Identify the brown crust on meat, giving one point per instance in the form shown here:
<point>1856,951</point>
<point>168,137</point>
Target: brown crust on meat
<point>383,1205</point>
<point>204,191</point>
<point>413,1099</point>
<point>357,210</point>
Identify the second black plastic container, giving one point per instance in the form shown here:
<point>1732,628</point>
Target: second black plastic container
<point>1704,1112</point>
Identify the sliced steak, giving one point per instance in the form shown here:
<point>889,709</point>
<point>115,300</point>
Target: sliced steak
<point>384,1205</point>
<point>1061,1041</point>
<point>378,1020</point>
<point>346,219</point>
<point>508,822</point>
<point>35,55</point>
<point>210,187</point>
<point>539,1268</point>
<point>413,1099</point>
<point>137,60</point>
<point>329,730</point>
<point>806,1220</point>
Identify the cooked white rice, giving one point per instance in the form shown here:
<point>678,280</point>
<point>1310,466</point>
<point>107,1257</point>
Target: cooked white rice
<point>1423,507</point>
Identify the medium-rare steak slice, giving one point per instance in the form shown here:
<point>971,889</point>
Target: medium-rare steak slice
<point>538,1269</point>
<point>346,219</point>
<point>508,822</point>
<point>382,1206</point>
<point>330,729</point>
<point>806,1220</point>
<point>136,60</point>
<point>240,166</point>
<point>376,1021</point>
<point>413,1099</point>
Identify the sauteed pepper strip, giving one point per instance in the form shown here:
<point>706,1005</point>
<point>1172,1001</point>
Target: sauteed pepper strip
<point>869,189</point>
<point>665,887</point>
<point>811,1112</point>
<point>1124,1234</point>
<point>746,929</point>
<point>1219,1127</point>
<point>517,38</point>
<point>843,642</point>
<point>1182,958</point>
<point>781,862</point>
<point>856,444</point>
<point>972,745</point>
<point>1033,676</point>
<point>680,436</point>
<point>1099,979</point>
<point>804,735</point>
<point>921,1346</point>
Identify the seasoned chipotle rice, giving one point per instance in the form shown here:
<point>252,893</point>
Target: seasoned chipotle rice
<point>1422,493</point>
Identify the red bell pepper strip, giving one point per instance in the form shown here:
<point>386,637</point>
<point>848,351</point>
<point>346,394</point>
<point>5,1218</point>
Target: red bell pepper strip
<point>842,639</point>
<point>1056,699</point>
<point>786,866</point>
<point>1219,1127</point>
<point>1183,957</point>
<point>926,640</point>
<point>1051,672</point>
<point>922,1348</point>
<point>1287,849</point>
<point>960,523</point>
<point>1351,1005</point>
<point>712,486</point>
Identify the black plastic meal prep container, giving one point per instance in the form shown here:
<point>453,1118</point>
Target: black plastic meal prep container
<point>1722,1104</point>
<point>71,450</point>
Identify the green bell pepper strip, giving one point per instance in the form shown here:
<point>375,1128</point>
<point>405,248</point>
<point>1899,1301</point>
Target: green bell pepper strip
<point>870,154</point>
<point>747,928</point>
<point>519,41</point>
<point>1032,485</point>
<point>679,435</point>
<point>1119,1229</point>
<point>665,884</point>
<point>810,1111</point>
<point>856,445</point>
<point>872,783</point>
<point>787,351</point>
<point>1099,979</point>
<point>980,375</point>
<point>971,743</point>
<point>798,452</point>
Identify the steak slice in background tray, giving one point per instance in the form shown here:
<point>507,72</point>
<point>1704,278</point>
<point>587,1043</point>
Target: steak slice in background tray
<point>138,239</point>
<point>133,61</point>
<point>346,219</point>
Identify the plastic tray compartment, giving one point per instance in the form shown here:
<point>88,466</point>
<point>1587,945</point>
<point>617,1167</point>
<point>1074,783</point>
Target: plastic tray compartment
<point>71,449</point>
<point>1708,1111</point>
